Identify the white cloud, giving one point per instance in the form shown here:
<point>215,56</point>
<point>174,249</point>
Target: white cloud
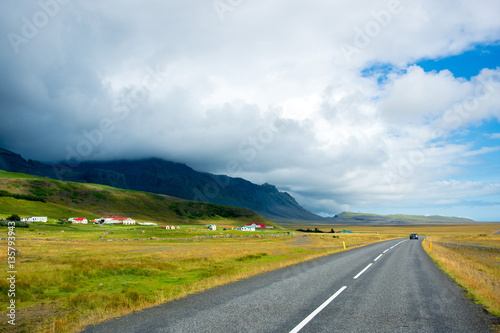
<point>268,87</point>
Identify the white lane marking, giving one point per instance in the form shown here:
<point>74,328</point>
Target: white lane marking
<point>318,310</point>
<point>385,251</point>
<point>359,274</point>
<point>378,257</point>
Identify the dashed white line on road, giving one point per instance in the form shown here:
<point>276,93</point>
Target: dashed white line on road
<point>359,274</point>
<point>328,301</point>
<point>318,310</point>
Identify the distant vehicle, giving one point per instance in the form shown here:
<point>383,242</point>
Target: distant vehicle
<point>413,236</point>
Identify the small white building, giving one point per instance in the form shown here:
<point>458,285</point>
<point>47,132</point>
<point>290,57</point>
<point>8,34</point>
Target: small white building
<point>170,227</point>
<point>34,219</point>
<point>246,228</point>
<point>211,227</point>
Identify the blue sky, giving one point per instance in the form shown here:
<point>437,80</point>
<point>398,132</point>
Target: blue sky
<point>366,105</point>
<point>466,64</point>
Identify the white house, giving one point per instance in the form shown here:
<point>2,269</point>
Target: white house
<point>81,220</point>
<point>110,219</point>
<point>211,227</point>
<point>246,228</point>
<point>128,221</point>
<point>34,219</point>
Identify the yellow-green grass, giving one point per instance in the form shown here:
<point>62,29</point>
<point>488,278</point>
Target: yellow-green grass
<point>55,231</point>
<point>9,206</point>
<point>92,279</point>
<point>476,270</point>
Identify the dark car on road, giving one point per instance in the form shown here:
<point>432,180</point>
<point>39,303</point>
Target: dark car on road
<point>413,236</point>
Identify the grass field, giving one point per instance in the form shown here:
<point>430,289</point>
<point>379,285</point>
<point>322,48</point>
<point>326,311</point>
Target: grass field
<point>476,269</point>
<point>70,276</point>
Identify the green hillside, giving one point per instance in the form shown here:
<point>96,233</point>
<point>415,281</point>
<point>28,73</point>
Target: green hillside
<point>27,195</point>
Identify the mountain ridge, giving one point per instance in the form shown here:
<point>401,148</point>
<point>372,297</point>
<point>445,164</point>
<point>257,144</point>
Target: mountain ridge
<point>396,219</point>
<point>159,176</point>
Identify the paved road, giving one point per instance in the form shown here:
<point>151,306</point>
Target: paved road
<point>386,287</point>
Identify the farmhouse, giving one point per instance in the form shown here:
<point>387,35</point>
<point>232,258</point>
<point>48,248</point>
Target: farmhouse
<point>34,219</point>
<point>81,220</point>
<point>257,225</point>
<point>246,228</point>
<point>110,219</point>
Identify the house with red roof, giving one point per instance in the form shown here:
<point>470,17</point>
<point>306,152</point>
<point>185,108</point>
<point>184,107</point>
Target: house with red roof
<point>257,225</point>
<point>112,219</point>
<point>81,220</point>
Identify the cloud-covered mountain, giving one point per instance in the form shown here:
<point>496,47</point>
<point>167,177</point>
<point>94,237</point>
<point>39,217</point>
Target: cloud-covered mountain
<point>174,179</point>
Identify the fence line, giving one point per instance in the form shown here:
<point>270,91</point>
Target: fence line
<point>470,246</point>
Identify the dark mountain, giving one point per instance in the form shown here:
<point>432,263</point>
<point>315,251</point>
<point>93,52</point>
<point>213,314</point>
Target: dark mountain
<point>13,162</point>
<point>174,179</point>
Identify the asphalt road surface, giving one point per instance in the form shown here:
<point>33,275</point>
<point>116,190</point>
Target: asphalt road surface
<point>391,286</point>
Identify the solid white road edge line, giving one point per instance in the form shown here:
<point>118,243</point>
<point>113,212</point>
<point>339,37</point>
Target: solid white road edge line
<point>318,310</point>
<point>357,276</point>
<point>378,257</point>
